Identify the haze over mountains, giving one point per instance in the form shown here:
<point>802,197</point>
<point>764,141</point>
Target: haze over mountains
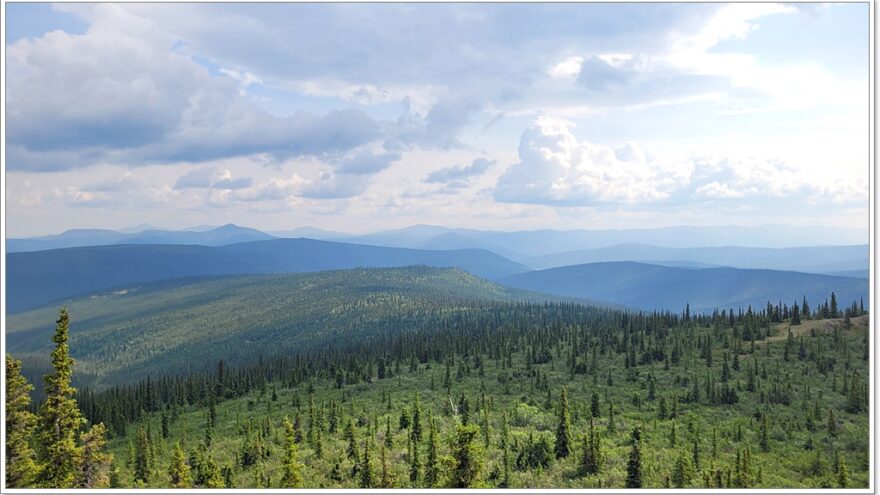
<point>649,287</point>
<point>676,271</point>
<point>40,277</point>
<point>813,259</point>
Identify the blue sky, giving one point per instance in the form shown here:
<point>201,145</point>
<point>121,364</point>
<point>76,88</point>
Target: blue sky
<point>362,117</point>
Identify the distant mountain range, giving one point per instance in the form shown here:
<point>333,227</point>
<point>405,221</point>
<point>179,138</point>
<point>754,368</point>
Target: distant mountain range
<point>524,245</point>
<point>213,236</point>
<point>649,287</point>
<point>41,277</point>
<point>519,246</point>
<point>814,259</point>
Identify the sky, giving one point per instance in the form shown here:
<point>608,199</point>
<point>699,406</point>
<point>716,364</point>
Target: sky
<point>362,117</point>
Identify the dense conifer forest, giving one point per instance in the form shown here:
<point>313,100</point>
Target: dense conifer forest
<point>508,394</point>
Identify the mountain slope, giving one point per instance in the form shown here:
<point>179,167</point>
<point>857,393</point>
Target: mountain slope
<point>813,259</point>
<point>179,324</point>
<point>650,287</point>
<point>41,277</point>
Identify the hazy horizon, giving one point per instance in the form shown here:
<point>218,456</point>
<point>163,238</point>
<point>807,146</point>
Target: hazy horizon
<point>149,226</point>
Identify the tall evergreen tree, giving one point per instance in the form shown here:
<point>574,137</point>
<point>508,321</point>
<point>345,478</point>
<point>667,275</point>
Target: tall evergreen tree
<point>21,466</point>
<point>142,456</point>
<point>60,418</point>
<point>563,429</point>
<point>416,423</point>
<point>634,464</point>
<point>179,470</point>
<point>432,468</point>
<point>292,477</point>
<point>683,471</point>
<point>366,469</point>
<point>467,456</point>
<point>387,479</point>
<point>415,464</point>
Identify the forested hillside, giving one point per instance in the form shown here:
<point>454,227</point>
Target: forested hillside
<point>187,325</point>
<point>38,278</point>
<point>519,396</point>
<point>426,377</point>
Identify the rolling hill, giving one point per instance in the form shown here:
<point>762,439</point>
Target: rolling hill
<point>187,324</point>
<point>42,277</point>
<point>812,259</point>
<point>214,236</point>
<point>650,287</point>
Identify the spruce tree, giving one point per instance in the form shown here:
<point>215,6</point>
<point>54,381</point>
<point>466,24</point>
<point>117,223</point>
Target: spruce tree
<point>21,467</point>
<point>563,430</point>
<point>683,471</point>
<point>95,463</point>
<point>416,423</point>
<point>590,456</point>
<point>468,457</point>
<point>432,467</point>
<point>842,472</point>
<point>142,456</point>
<point>366,478</point>
<point>179,470</point>
<point>595,409</point>
<point>387,480</point>
<point>292,477</point>
<point>352,450</point>
<point>60,419</point>
<point>414,462</point>
<point>210,473</point>
<point>634,464</point>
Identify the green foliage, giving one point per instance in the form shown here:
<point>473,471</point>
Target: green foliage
<point>95,463</point>
<point>21,467</point>
<point>504,359</point>
<point>179,470</point>
<point>634,464</point>
<point>60,418</point>
<point>468,457</point>
<point>292,477</point>
<point>563,431</point>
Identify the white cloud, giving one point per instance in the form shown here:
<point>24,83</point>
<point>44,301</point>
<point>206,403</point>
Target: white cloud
<point>557,169</point>
<point>568,67</point>
<point>121,92</point>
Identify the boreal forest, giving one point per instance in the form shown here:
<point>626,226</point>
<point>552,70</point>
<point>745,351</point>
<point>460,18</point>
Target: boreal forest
<point>431,377</point>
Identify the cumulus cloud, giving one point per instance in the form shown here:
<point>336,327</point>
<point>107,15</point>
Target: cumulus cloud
<point>121,92</point>
<point>557,169</point>
<point>459,176</point>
